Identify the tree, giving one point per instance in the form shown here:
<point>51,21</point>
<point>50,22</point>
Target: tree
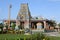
<point>36,17</point>
<point>53,23</point>
<point>59,24</point>
<point>13,25</point>
<point>1,25</point>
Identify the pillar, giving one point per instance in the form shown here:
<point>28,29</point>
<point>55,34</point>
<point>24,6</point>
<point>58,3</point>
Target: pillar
<point>26,24</point>
<point>17,22</point>
<point>44,24</point>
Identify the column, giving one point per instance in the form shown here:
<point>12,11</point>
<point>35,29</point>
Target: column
<point>26,24</point>
<point>44,24</point>
<point>31,25</point>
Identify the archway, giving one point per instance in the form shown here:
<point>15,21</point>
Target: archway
<point>40,25</point>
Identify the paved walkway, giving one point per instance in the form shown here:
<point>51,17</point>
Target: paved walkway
<point>53,34</point>
<point>57,34</point>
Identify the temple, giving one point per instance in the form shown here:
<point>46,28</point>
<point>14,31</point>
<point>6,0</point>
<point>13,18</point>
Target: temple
<point>25,20</point>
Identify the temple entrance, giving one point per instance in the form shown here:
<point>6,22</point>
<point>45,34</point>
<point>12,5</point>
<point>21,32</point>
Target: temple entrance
<point>37,25</point>
<point>21,25</point>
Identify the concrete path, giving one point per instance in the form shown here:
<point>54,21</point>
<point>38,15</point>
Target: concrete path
<point>57,34</point>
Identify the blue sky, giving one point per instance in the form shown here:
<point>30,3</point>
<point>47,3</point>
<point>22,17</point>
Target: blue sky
<point>49,9</point>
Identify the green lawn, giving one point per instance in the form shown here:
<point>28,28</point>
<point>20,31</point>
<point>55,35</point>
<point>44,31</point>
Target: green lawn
<point>54,38</point>
<point>12,36</point>
<point>18,36</point>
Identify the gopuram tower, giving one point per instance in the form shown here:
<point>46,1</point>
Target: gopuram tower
<point>24,15</point>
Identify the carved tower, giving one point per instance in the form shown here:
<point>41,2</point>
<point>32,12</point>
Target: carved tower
<point>24,15</point>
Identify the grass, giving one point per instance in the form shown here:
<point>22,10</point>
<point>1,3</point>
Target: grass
<point>12,36</point>
<point>54,38</point>
<point>18,36</point>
